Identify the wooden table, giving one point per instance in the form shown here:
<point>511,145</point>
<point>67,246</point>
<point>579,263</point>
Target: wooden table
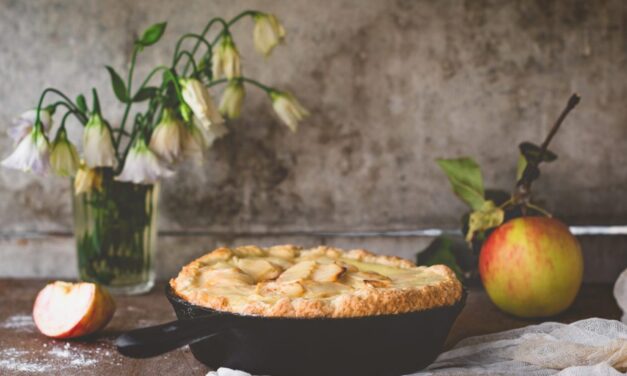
<point>23,351</point>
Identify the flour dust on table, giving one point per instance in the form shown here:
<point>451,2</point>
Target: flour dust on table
<point>60,358</point>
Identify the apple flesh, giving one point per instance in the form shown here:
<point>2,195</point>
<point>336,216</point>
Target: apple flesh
<point>531,267</point>
<point>70,310</point>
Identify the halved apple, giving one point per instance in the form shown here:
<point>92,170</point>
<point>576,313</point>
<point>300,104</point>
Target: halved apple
<point>69,310</point>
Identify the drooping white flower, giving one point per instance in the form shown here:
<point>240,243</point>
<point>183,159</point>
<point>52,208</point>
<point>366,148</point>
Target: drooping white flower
<point>31,154</point>
<point>232,99</point>
<point>198,99</point>
<point>22,125</point>
<point>288,109</point>
<point>215,131</point>
<point>87,179</point>
<point>97,143</point>
<point>167,137</point>
<point>226,60</point>
<point>143,166</point>
<point>63,156</point>
<point>196,140</point>
<point>268,33</point>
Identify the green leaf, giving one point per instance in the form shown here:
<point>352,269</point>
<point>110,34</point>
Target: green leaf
<point>532,152</point>
<point>441,251</point>
<point>487,217</point>
<point>145,93</point>
<point>118,85</point>
<point>466,180</point>
<point>520,166</point>
<point>81,103</point>
<point>152,34</point>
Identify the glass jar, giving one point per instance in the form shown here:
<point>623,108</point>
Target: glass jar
<point>115,226</point>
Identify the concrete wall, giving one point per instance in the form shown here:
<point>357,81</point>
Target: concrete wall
<point>392,85</point>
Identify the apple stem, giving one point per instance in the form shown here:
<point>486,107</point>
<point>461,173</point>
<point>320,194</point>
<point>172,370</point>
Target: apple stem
<point>532,172</point>
<point>572,103</point>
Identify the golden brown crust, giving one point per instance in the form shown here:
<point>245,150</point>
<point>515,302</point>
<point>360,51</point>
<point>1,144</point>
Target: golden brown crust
<point>317,282</point>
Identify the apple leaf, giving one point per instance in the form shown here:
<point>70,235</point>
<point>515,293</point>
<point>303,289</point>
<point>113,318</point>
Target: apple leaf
<point>520,166</point>
<point>485,218</point>
<point>466,180</point>
<point>532,152</point>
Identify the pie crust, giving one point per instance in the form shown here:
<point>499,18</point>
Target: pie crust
<point>288,281</point>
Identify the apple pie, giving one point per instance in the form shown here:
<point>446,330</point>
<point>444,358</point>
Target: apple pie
<point>288,281</point>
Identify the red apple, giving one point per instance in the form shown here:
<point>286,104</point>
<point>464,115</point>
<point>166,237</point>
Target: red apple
<point>68,310</point>
<point>531,267</point>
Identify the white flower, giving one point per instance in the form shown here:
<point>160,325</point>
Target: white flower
<point>268,33</point>
<point>63,157</point>
<point>226,60</point>
<point>197,97</point>
<point>87,179</point>
<point>142,166</point>
<point>98,144</point>
<point>288,109</point>
<point>167,136</point>
<point>196,139</point>
<point>215,131</point>
<point>232,99</point>
<point>31,153</point>
<point>194,143</point>
<point>22,125</point>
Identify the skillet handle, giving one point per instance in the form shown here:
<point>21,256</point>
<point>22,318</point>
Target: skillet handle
<point>160,339</point>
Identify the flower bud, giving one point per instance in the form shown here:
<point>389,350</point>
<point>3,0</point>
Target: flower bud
<point>31,153</point>
<point>63,157</point>
<point>232,99</point>
<point>198,99</point>
<point>288,109</point>
<point>97,143</point>
<point>268,33</point>
<point>194,142</point>
<point>87,179</point>
<point>226,60</point>
<point>166,138</point>
<point>22,125</point>
<point>142,166</point>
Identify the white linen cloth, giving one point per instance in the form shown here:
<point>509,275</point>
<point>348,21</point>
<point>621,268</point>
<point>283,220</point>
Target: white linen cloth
<point>591,347</point>
<point>620,293</point>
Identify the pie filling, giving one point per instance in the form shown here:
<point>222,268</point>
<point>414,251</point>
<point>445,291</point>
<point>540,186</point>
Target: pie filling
<point>289,281</point>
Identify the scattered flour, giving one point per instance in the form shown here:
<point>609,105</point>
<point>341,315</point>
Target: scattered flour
<point>58,358</point>
<point>75,357</point>
<point>18,360</point>
<point>19,323</point>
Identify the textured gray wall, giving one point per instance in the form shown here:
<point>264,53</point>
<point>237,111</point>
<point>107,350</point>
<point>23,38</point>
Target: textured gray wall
<point>391,85</point>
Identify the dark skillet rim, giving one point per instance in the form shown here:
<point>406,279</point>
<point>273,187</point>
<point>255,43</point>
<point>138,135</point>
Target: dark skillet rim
<point>175,299</point>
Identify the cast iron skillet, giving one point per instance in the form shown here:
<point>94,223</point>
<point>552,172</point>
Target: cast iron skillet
<point>366,346</point>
